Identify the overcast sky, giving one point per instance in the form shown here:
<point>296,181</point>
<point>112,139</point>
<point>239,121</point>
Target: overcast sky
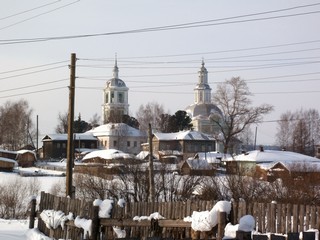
<point>274,45</point>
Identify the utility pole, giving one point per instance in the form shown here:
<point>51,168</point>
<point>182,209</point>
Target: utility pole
<point>70,148</point>
<point>151,175</point>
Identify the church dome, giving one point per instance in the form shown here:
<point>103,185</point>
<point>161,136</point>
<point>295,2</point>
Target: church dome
<point>202,110</point>
<point>115,82</point>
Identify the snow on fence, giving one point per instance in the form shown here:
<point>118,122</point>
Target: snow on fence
<point>269,217</point>
<point>279,218</point>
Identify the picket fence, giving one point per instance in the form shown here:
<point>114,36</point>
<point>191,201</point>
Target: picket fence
<point>270,218</point>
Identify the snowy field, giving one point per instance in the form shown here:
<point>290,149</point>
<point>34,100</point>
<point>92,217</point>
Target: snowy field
<point>19,229</point>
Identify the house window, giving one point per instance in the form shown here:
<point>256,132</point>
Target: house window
<point>58,145</point>
<point>135,143</point>
<point>64,145</point>
<point>203,148</point>
<point>83,145</point>
<point>128,143</point>
<point>92,145</point>
<point>114,143</point>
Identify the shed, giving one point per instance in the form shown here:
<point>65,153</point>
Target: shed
<point>196,167</point>
<point>7,164</point>
<point>26,158</point>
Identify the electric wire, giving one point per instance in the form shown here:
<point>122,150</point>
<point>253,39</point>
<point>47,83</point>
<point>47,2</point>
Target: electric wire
<point>29,10</point>
<point>34,85</point>
<point>39,91</point>
<point>204,53</point>
<point>38,66</point>
<point>38,15</point>
<point>205,23</point>
<point>29,73</point>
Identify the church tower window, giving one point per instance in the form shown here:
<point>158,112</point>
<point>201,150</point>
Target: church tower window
<point>120,98</point>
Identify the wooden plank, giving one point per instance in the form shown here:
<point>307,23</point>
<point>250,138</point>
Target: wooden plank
<point>267,214</point>
<point>318,218</point>
<point>283,222</point>
<point>263,217</point>
<point>289,218</point>
<point>301,218</point>
<point>234,219</point>
<point>313,222</point>
<point>295,218</point>
<point>272,217</point>
<point>278,220</point>
<point>307,217</point>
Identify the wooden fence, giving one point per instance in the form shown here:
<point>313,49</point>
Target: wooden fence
<point>270,218</point>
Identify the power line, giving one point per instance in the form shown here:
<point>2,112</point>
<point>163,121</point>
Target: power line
<point>296,92</point>
<point>29,10</point>
<point>34,85</point>
<point>29,73</point>
<point>28,68</point>
<point>205,23</point>
<point>38,15</point>
<point>204,53</point>
<point>39,91</point>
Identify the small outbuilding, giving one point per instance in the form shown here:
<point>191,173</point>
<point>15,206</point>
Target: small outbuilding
<point>26,158</point>
<point>7,164</point>
<point>196,167</point>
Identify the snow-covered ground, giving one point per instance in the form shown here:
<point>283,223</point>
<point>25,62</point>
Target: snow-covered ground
<point>19,229</point>
<point>13,229</point>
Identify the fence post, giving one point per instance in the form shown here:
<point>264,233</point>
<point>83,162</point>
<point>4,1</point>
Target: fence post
<point>222,219</point>
<point>32,213</point>
<point>95,223</point>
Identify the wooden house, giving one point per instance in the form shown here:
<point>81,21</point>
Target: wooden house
<point>26,158</point>
<point>55,145</point>
<point>7,164</point>
<point>183,145</point>
<point>8,154</point>
<point>196,167</point>
<point>271,164</point>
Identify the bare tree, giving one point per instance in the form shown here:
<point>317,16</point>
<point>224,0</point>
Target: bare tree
<point>298,131</point>
<point>232,97</point>
<point>16,126</point>
<point>150,113</point>
<point>95,120</point>
<point>285,129</point>
<point>15,196</point>
<point>62,126</point>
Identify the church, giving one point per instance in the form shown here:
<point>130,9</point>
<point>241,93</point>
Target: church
<point>115,98</point>
<point>203,109</point>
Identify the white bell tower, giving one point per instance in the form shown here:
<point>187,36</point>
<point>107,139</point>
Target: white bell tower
<point>115,98</point>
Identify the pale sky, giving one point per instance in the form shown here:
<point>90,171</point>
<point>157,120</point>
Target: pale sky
<point>274,45</point>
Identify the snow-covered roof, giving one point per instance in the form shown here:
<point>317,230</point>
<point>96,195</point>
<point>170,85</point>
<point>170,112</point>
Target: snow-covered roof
<point>64,137</point>
<point>116,129</point>
<point>197,164</point>
<point>269,156</point>
<point>107,154</point>
<point>7,151</point>
<point>300,166</point>
<point>143,155</point>
<point>26,151</point>
<point>183,135</point>
<point>2,159</point>
<point>211,157</point>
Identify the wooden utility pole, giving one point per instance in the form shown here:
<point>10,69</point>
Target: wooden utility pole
<point>70,148</point>
<point>151,175</point>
